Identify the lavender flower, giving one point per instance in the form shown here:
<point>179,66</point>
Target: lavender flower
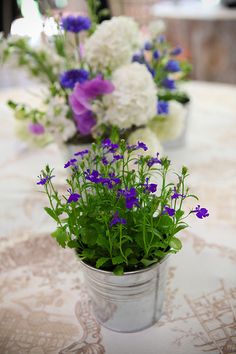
<point>201,212</point>
<point>176,51</point>
<point>156,55</point>
<point>152,187</point>
<point>169,211</point>
<point>141,145</point>
<point>138,58</point>
<point>74,197</point>
<point>75,24</point>
<point>69,78</point>
<point>153,161</point>
<point>44,179</point>
<point>85,122</point>
<point>36,128</point>
<point>169,84</point>
<point>82,153</point>
<point>105,161</point>
<point>177,195</point>
<point>107,144</point>
<point>148,46</point>
<point>161,38</point>
<point>117,220</point>
<point>130,197</point>
<point>173,66</point>
<point>71,162</point>
<point>117,157</point>
<point>93,176</point>
<point>162,107</point>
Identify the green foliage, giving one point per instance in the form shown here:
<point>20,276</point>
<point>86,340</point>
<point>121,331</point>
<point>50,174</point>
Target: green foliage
<point>144,232</point>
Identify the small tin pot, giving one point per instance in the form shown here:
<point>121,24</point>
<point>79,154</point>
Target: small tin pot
<point>130,302</point>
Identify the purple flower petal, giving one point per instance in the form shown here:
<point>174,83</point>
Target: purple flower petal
<point>36,128</point>
<point>85,122</point>
<point>169,211</point>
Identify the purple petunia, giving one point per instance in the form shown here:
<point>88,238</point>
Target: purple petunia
<point>36,128</point>
<point>201,212</point>
<point>177,195</point>
<point>162,108</point>
<point>44,179</point>
<point>74,197</point>
<point>153,161</point>
<point>172,66</point>
<point>69,78</point>
<point>176,51</point>
<point>169,84</point>
<point>152,187</point>
<point>117,220</point>
<point>130,195</point>
<point>169,211</point>
<point>82,153</point>
<point>71,162</point>
<point>75,24</point>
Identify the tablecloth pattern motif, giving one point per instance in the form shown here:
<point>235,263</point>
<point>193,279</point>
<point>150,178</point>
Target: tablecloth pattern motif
<point>44,308</point>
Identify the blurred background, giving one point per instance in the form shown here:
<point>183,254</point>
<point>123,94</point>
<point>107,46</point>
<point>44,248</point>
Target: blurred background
<point>206,29</point>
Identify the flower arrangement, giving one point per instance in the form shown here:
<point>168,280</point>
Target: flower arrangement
<point>96,79</point>
<point>122,211</point>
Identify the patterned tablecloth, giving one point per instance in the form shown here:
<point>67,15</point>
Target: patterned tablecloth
<point>44,307</point>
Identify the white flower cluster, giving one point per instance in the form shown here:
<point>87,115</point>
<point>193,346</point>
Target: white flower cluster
<point>134,100</point>
<point>57,124</point>
<point>112,44</point>
<point>171,126</point>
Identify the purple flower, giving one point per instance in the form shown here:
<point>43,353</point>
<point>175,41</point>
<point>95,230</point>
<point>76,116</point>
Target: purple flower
<point>36,128</point>
<point>176,51</point>
<point>131,199</point>
<point>141,145</point>
<point>169,84</point>
<point>153,160</point>
<point>93,176</point>
<point>107,144</point>
<point>162,107</point>
<point>201,212</point>
<point>173,66</point>
<point>156,55</point>
<point>117,158</point>
<point>74,197</point>
<point>115,180</point>
<point>70,163</point>
<point>152,187</point>
<point>85,122</point>
<point>75,24</point>
<point>150,69</point>
<point>148,46</point>
<point>69,78</point>
<point>138,58</point>
<point>161,38</point>
<point>96,87</point>
<point>169,211</point>
<point>117,220</point>
<point>44,179</point>
<point>105,161</point>
<point>82,153</point>
<point>177,195</point>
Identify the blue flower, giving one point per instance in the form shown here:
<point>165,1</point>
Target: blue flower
<point>117,158</point>
<point>44,179</point>
<point>141,145</point>
<point>176,51</point>
<point>173,66</point>
<point>153,161</point>
<point>94,176</point>
<point>148,46</point>
<point>201,212</point>
<point>107,144</point>
<point>156,55</point>
<point>177,195</point>
<point>70,163</point>
<point>105,161</point>
<point>74,197</point>
<point>69,78</point>
<point>75,24</point>
<point>169,83</point>
<point>131,199</point>
<point>138,58</point>
<point>117,220</point>
<point>162,107</point>
<point>82,153</point>
<point>161,38</point>
<point>169,211</point>
<point>151,70</point>
<point>152,187</point>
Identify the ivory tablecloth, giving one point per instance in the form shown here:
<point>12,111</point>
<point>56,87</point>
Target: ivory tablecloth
<point>44,307</point>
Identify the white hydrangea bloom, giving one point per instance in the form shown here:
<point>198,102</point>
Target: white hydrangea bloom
<point>57,124</point>
<point>156,27</point>
<point>149,138</point>
<point>171,126</point>
<point>112,44</point>
<point>134,100</point>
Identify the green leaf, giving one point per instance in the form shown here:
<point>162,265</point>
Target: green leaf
<point>103,242</point>
<point>101,261</point>
<point>179,228</point>
<point>128,252</point>
<point>72,244</point>
<point>117,260</point>
<point>88,253</point>
<point>175,243</point>
<point>148,262</point>
<point>51,213</point>
<point>61,236</point>
<point>119,270</point>
<point>179,213</point>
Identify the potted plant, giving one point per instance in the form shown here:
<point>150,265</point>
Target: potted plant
<point>121,214</point>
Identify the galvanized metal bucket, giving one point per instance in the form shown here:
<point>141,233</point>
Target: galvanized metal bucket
<point>130,302</point>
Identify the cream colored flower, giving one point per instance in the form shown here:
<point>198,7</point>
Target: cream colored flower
<point>171,126</point>
<point>157,27</point>
<point>134,100</point>
<point>112,44</point>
